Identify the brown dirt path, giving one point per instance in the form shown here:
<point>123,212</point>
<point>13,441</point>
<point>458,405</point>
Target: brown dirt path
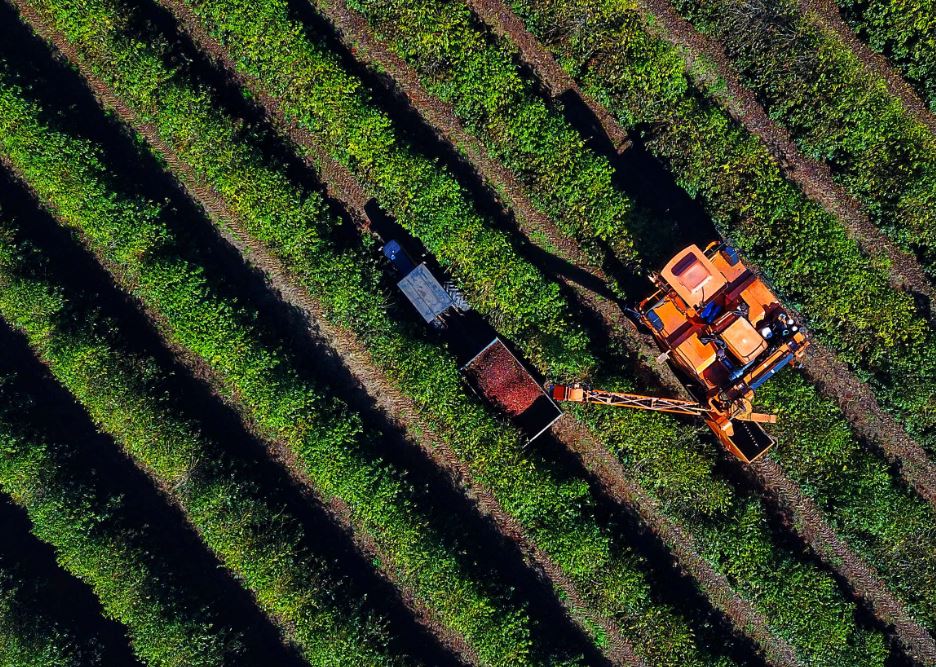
<point>862,578</point>
<point>833,378</point>
<point>810,524</point>
<point>441,117</point>
<point>400,410</point>
<point>826,13</point>
<point>270,104</point>
<point>620,651</point>
<point>812,176</point>
<point>854,397</point>
<point>278,452</point>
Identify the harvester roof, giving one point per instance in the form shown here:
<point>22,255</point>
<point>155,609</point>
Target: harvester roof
<point>693,276</point>
<point>717,318</point>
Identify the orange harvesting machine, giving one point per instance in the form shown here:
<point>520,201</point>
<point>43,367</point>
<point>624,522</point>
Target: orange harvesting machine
<point>722,328</point>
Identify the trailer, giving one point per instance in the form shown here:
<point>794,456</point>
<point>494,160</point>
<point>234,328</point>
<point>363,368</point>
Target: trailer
<point>493,372</point>
<point>497,375</point>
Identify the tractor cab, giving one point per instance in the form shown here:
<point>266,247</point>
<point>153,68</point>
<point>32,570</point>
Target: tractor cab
<point>724,330</point>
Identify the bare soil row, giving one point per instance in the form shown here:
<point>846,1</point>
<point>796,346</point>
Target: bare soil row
<point>442,119</point>
<point>399,409</point>
<point>870,421</point>
<point>344,187</point>
<point>334,508</point>
<point>398,406</point>
<point>826,12</point>
<point>616,482</point>
<point>867,414</point>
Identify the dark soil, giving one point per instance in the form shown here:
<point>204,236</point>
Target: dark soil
<point>690,217</point>
<point>303,139</point>
<point>858,575</point>
<point>537,387</point>
<point>541,562</point>
<point>616,483</point>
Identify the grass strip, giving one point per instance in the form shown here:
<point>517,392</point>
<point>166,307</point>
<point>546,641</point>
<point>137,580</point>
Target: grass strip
<point>423,547</point>
<point>835,113</point>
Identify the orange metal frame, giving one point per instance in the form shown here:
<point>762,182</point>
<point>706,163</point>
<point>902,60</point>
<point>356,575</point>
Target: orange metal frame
<point>724,328</point>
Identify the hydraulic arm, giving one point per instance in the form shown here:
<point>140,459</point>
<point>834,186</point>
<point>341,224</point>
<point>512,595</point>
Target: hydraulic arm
<point>724,330</point>
<point>578,393</point>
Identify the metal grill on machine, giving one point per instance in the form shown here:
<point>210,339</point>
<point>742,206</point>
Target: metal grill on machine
<point>719,326</point>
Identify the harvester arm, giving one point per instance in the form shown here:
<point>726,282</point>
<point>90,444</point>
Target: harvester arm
<point>579,394</point>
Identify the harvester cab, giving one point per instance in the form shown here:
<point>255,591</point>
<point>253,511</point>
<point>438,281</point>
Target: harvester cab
<point>721,328</point>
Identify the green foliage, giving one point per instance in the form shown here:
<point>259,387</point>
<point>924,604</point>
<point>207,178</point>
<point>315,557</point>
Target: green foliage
<point>125,394</point>
<point>29,636</point>
<point>271,48</point>
<point>814,86</point>
<point>557,510</point>
<point>886,523</point>
<point>811,593</point>
<point>424,545</point>
<point>903,31</point>
<point>461,64</point>
<point>863,498</point>
<point>735,534</point>
<point>94,541</point>
<point>423,196</point>
<point>846,297</point>
<point>671,462</point>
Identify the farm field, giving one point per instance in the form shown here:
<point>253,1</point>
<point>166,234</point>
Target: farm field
<point>236,429</point>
